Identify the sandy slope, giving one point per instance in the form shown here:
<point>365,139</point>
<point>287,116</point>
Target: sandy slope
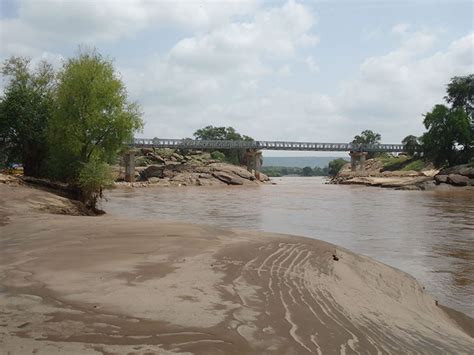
<point>75,284</point>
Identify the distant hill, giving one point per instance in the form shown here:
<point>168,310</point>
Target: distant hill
<point>298,162</point>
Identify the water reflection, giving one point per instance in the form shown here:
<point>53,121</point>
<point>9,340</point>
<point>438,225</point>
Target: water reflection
<point>427,234</point>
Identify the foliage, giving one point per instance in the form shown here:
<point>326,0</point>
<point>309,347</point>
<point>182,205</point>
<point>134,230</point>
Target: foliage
<point>449,136</point>
<point>217,155</point>
<point>411,145</point>
<point>279,171</point>
<point>233,156</point>
<point>93,116</point>
<point>93,177</point>
<point>25,109</point>
<point>368,137</point>
<point>460,93</point>
<point>416,165</point>
<point>335,166</point>
<point>392,163</point>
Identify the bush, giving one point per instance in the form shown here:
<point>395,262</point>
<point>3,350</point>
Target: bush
<point>335,166</point>
<point>93,178</point>
<point>416,165</point>
<point>216,155</point>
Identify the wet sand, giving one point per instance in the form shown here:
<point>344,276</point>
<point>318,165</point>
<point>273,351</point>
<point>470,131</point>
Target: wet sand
<point>77,284</point>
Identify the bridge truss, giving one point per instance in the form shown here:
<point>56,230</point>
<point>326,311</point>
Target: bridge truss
<point>261,145</point>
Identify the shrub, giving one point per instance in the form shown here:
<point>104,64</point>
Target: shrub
<point>416,165</point>
<point>93,178</point>
<point>216,155</point>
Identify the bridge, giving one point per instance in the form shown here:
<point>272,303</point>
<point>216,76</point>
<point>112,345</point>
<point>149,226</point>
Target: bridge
<point>253,155</point>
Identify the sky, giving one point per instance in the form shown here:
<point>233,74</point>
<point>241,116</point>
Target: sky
<point>319,71</point>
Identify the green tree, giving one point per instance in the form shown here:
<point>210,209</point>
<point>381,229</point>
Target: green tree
<point>411,144</point>
<point>234,156</point>
<point>335,166</point>
<point>368,137</point>
<point>460,93</point>
<point>25,109</point>
<point>307,171</point>
<point>449,135</point>
<point>93,117</point>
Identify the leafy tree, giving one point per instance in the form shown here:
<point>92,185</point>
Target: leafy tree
<point>92,120</point>
<point>234,156</point>
<point>411,144</point>
<point>449,135</point>
<point>93,116</point>
<point>460,93</point>
<point>335,166</point>
<point>25,109</point>
<point>368,137</point>
<point>216,155</point>
<point>307,171</point>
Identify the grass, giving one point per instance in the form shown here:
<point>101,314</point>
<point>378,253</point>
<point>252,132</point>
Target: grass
<point>416,165</point>
<point>393,163</point>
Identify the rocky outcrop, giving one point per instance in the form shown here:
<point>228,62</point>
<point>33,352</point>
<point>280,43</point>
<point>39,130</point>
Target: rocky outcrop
<point>165,167</point>
<point>459,175</point>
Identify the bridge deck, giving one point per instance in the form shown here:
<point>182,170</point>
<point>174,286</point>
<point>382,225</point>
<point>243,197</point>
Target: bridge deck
<point>267,145</point>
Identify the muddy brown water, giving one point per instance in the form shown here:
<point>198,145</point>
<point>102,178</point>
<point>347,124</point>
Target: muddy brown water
<point>429,235</point>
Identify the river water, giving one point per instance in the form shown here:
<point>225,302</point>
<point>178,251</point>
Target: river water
<point>430,235</point>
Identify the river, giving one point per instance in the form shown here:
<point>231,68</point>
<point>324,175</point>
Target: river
<point>429,235</point>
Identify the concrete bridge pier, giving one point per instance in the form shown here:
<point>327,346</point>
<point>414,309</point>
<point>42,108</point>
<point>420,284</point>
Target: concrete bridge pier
<point>253,158</point>
<point>129,161</point>
<point>358,160</point>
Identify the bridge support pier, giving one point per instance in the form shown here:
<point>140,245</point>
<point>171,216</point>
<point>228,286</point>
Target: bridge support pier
<point>253,158</point>
<point>129,160</point>
<point>357,161</point>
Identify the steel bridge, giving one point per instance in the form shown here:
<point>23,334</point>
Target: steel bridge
<point>264,145</point>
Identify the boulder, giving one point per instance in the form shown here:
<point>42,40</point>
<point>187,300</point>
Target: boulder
<point>145,151</point>
<point>228,179</point>
<point>262,177</point>
<point>155,158</point>
<point>152,171</point>
<point>441,179</point>
<point>467,171</point>
<point>154,180</point>
<point>177,156</point>
<point>458,180</point>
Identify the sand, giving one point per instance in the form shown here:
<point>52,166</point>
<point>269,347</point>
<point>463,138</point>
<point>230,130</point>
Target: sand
<point>103,285</point>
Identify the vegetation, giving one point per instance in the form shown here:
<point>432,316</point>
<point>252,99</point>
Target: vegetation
<point>335,166</point>
<point>67,126</point>
<point>416,165</point>
<point>217,155</point>
<point>233,156</point>
<point>411,145</point>
<point>368,137</point>
<point>279,171</point>
<point>25,110</point>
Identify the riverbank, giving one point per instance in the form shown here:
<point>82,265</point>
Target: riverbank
<point>378,173</point>
<point>102,284</point>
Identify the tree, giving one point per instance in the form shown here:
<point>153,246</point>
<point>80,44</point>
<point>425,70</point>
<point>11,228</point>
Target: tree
<point>307,171</point>
<point>449,135</point>
<point>93,117</point>
<point>25,109</point>
<point>367,137</point>
<point>335,166</point>
<point>234,156</point>
<point>460,93</point>
<point>411,145</point>
<point>92,120</point>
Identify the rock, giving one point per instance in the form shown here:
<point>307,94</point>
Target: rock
<point>154,180</point>
<point>471,182</point>
<point>467,171</point>
<point>155,158</point>
<point>441,179</point>
<point>458,180</point>
<point>262,177</point>
<point>152,171</point>
<point>228,179</point>
<point>177,156</point>
<point>145,151</point>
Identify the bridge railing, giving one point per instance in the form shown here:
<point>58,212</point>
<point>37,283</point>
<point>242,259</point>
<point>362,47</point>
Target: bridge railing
<point>268,145</point>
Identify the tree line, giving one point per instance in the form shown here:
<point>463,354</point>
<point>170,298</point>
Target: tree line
<point>69,124</point>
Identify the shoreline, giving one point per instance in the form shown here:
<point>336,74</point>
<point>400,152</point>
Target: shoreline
<point>129,285</point>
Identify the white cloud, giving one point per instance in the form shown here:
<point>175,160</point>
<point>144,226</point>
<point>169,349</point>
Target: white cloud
<point>311,63</point>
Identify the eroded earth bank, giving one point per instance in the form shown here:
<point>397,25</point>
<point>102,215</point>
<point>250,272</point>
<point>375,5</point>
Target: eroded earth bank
<point>91,285</point>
